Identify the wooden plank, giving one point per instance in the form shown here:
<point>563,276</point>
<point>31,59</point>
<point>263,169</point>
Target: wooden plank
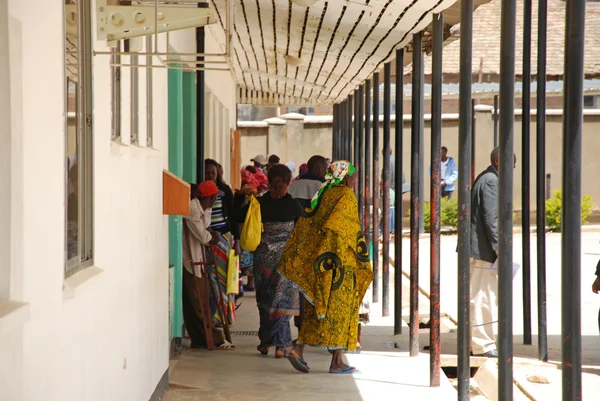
<point>176,195</point>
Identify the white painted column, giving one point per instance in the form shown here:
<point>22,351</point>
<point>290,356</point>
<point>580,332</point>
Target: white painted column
<point>5,155</point>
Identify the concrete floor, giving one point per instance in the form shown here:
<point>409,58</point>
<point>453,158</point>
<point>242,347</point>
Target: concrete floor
<point>386,373</point>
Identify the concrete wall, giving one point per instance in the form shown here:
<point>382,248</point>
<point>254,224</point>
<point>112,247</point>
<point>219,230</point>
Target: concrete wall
<point>315,138</point>
<point>103,333</point>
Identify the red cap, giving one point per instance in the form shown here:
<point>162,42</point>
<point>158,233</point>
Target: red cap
<point>207,188</point>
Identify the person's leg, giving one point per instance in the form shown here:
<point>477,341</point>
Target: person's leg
<point>483,307</point>
<point>337,363</point>
<point>192,314</point>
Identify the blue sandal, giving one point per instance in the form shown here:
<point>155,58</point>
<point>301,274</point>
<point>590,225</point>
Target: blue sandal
<point>350,370</point>
<point>299,364</point>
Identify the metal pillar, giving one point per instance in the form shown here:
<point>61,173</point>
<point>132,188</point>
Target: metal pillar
<point>361,149</point>
<point>200,129</point>
<point>336,138</point>
<point>496,120</point>
<point>473,141</point>
<point>399,128</point>
<point>342,147</point>
<point>376,189</point>
<point>436,198</point>
<point>505,200</point>
<point>540,183</point>
<point>464,198</point>
<point>415,187</point>
<point>387,106</point>
<point>355,135</point>
<point>525,173</point>
<point>348,155</point>
<point>571,208</point>
<point>367,164</point>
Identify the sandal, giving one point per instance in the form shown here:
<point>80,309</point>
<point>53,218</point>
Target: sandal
<point>281,352</point>
<point>298,364</point>
<point>264,351</point>
<point>227,346</point>
<point>350,370</point>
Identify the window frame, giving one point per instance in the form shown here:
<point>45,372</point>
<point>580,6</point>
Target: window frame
<point>84,132</point>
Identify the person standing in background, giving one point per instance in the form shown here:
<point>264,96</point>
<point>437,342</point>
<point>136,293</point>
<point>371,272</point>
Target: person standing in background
<point>449,174</point>
<point>484,252</point>
<point>596,288</point>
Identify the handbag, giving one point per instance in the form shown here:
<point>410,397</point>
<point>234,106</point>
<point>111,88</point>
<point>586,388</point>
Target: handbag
<point>252,230</point>
<point>233,274</point>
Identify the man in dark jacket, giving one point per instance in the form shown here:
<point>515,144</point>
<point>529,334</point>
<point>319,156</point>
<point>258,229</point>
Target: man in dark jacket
<point>484,251</point>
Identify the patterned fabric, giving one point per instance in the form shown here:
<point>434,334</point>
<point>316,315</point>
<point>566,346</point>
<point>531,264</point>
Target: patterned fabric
<point>219,255</point>
<point>276,296</point>
<point>335,175</point>
<point>246,263</point>
<point>328,260</point>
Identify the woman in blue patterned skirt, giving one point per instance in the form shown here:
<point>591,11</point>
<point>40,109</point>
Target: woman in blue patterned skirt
<point>276,298</point>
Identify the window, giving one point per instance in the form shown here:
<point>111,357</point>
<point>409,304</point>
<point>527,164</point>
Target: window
<point>78,102</point>
<point>590,102</point>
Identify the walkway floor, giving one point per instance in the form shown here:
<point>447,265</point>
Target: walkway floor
<point>387,373</point>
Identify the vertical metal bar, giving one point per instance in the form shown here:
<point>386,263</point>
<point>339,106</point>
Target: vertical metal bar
<point>342,148</point>
<point>345,130</point>
<point>505,201</point>
<point>200,105</point>
<point>334,132</point>
<point>355,157</point>
<point>368,166</point>
<point>399,130</point>
<point>495,121</point>
<point>149,94</point>
<point>351,127</point>
<point>525,172</point>
<point>571,207</point>
<point>436,199</point>
<point>361,149</point>
<point>421,121</point>
<point>340,133</point>
<point>116,93</point>
<point>540,214</point>
<point>134,100</point>
<point>473,140</point>
<point>376,189</point>
<point>387,106</point>
<point>415,193</point>
<point>464,198</point>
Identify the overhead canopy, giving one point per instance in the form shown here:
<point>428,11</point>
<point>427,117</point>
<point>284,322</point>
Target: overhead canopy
<point>287,54</point>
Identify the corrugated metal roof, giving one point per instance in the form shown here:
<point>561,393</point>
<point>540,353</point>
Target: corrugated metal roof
<point>287,54</point>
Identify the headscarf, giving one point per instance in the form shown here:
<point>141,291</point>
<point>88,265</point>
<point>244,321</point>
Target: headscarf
<point>303,169</point>
<point>257,180</point>
<point>336,173</point>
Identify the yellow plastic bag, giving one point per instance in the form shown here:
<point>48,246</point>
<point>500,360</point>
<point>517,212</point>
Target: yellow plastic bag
<point>233,274</point>
<point>252,231</point>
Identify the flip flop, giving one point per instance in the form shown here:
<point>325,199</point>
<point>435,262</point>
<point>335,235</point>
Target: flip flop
<point>350,370</point>
<point>298,364</point>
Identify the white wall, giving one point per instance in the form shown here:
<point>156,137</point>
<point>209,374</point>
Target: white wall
<point>103,333</point>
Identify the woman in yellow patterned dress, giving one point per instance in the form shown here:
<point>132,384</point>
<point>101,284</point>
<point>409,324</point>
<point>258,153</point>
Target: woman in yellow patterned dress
<point>327,258</point>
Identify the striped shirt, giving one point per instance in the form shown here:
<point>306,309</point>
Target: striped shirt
<point>218,221</point>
